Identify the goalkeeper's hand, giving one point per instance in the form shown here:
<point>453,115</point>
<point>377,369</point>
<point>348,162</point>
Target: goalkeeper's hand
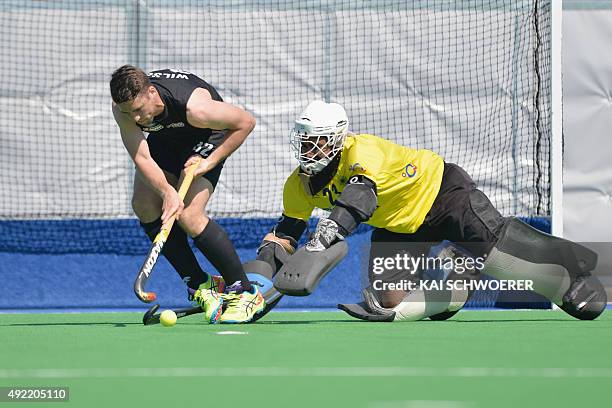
<point>326,234</point>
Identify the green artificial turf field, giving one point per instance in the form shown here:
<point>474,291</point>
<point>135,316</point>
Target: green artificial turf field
<point>476,359</point>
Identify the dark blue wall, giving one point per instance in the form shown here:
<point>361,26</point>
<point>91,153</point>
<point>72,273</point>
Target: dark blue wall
<point>92,264</point>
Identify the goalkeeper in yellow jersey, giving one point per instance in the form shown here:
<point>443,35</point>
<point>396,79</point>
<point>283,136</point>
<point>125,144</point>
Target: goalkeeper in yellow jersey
<point>413,199</point>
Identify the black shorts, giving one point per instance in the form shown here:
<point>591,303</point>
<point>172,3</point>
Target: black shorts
<point>460,213</point>
<point>170,154</point>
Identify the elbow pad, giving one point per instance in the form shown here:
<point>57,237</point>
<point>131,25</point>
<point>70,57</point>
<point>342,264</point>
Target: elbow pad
<point>356,204</point>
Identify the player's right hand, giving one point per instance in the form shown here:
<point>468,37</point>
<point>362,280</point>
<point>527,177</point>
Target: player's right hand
<point>172,205</point>
<point>204,165</point>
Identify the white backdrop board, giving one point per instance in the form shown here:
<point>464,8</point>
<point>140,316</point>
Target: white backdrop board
<point>587,125</point>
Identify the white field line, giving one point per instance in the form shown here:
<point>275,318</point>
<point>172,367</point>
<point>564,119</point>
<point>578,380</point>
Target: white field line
<point>454,372</point>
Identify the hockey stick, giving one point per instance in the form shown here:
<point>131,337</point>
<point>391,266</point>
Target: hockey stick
<point>158,243</point>
<point>150,317</point>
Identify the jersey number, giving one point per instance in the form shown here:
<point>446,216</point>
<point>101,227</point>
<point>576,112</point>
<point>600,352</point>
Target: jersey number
<point>330,194</point>
<point>203,149</point>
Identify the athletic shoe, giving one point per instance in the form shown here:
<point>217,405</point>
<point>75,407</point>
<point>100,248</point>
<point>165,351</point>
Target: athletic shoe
<point>210,298</point>
<point>241,306</point>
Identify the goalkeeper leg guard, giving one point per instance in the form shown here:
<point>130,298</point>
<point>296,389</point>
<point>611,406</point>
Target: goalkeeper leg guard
<point>559,269</point>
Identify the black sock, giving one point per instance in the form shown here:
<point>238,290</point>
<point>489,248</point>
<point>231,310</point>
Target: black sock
<point>219,250</point>
<point>178,253</point>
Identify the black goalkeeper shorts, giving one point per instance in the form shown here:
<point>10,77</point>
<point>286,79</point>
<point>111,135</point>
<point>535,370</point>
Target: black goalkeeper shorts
<point>460,213</point>
<point>170,154</point>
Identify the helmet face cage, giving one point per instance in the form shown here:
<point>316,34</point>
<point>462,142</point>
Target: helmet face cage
<point>315,148</point>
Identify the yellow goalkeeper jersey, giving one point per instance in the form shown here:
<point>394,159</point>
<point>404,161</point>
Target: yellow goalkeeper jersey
<point>407,182</point>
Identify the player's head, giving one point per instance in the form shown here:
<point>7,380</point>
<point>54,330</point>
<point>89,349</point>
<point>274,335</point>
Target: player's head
<point>318,135</point>
<point>132,91</point>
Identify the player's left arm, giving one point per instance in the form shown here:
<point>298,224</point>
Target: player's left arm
<point>300,273</point>
<point>204,112</point>
<point>281,242</point>
<point>356,204</point>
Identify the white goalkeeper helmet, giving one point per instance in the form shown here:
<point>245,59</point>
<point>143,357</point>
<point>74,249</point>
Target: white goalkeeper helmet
<point>318,135</point>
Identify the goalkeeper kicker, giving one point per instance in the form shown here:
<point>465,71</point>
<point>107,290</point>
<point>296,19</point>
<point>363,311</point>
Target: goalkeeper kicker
<point>413,199</point>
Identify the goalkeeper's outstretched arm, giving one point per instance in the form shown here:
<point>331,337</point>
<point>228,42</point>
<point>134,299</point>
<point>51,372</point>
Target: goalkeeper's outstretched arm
<point>281,241</point>
<point>355,205</point>
<point>302,272</point>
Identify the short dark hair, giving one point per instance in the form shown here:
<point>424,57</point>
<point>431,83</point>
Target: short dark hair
<point>127,82</point>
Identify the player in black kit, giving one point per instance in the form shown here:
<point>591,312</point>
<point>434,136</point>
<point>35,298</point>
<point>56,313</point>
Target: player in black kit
<point>185,119</point>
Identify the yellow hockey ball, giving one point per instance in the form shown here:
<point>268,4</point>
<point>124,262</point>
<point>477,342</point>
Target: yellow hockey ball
<point>167,318</point>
